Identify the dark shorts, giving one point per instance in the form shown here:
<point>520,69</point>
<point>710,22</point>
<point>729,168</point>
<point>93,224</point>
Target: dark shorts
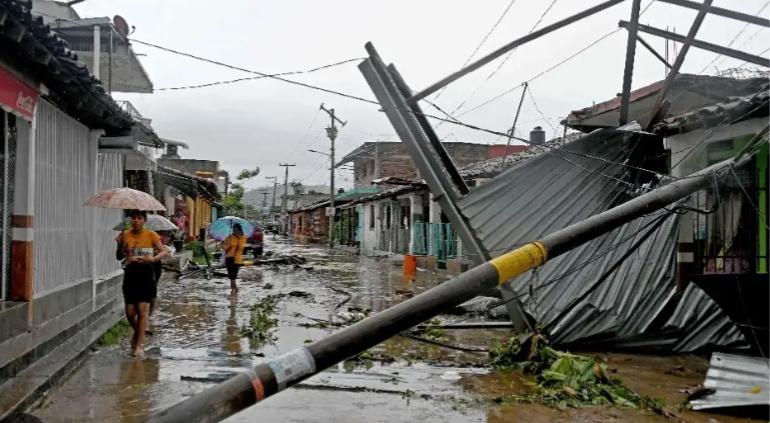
<point>139,283</point>
<point>232,268</point>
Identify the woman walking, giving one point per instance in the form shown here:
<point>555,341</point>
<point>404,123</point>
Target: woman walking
<point>142,248</point>
<point>233,246</point>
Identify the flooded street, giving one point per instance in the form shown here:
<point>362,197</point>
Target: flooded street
<point>197,342</point>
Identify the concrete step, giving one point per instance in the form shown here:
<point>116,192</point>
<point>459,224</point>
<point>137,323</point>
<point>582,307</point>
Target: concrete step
<point>26,386</point>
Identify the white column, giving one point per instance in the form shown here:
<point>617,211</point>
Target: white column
<point>97,50</point>
<point>94,156</point>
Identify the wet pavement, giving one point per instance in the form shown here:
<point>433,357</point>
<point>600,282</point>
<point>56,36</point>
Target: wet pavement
<point>198,342</point>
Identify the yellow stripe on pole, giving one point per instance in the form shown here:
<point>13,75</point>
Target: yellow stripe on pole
<point>518,261</point>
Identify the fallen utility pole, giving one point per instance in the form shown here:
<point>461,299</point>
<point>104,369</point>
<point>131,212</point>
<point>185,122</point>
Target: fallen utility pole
<point>266,379</point>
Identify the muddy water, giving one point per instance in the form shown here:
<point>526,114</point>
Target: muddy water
<point>197,342</point>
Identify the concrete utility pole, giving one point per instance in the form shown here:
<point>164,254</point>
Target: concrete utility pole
<point>275,187</point>
<point>331,132</point>
<point>279,373</point>
<point>284,203</point>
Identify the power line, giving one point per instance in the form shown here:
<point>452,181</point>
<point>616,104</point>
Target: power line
<point>233,81</point>
<point>735,38</point>
<point>552,68</point>
<point>483,40</point>
<point>505,59</point>
<point>540,112</point>
<point>238,68</point>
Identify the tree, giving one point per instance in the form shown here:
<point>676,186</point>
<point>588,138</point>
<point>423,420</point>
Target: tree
<point>232,200</point>
<point>297,187</point>
<point>248,174</point>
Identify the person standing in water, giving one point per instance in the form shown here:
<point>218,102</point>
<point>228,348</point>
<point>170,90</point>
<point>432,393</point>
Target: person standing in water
<point>142,248</point>
<point>233,246</point>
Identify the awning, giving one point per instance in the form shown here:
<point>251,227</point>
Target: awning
<point>190,185</point>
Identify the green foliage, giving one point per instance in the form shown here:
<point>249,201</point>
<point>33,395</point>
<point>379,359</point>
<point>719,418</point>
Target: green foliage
<point>248,174</point>
<point>115,333</point>
<point>564,379</point>
<point>261,325</point>
<point>297,188</point>
<point>429,331</point>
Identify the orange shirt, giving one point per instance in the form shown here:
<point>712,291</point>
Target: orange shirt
<point>140,244</point>
<point>234,247</point>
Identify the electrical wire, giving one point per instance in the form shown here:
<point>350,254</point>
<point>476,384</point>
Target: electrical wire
<point>238,68</point>
<point>721,124</point>
<point>233,81</point>
<point>504,61</point>
<point>557,65</point>
<point>540,112</point>
<point>483,40</point>
<point>735,38</point>
<point>572,269</point>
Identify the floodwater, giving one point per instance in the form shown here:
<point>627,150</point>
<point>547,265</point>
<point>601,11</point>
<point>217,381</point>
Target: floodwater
<point>197,343</point>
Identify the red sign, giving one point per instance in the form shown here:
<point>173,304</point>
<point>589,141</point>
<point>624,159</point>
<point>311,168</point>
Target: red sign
<point>17,96</point>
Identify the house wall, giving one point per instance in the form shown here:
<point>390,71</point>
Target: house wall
<point>690,154</point>
<point>65,166</point>
<point>371,227</point>
<point>392,160</point>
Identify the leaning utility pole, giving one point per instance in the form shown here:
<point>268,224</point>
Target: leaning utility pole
<point>284,203</point>
<point>331,132</point>
<point>279,373</point>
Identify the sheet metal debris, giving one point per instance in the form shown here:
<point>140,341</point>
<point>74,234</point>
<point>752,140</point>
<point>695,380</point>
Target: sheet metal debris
<point>633,306</point>
<point>737,381</point>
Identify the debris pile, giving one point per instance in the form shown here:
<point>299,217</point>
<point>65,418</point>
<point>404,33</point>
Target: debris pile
<point>563,379</point>
<point>261,324</point>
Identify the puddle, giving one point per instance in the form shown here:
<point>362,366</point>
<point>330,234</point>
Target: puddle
<point>198,342</point>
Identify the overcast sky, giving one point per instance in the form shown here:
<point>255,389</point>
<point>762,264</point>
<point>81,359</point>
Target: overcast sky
<point>264,122</point>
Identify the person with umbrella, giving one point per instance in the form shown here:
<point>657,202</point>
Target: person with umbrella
<point>142,248</point>
<point>233,246</point>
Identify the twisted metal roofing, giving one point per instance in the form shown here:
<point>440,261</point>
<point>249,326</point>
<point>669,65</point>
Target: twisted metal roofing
<point>594,295</point>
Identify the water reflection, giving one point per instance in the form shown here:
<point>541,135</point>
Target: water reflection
<point>136,378</point>
<point>231,338</point>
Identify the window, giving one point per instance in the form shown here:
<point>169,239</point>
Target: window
<point>371,217</point>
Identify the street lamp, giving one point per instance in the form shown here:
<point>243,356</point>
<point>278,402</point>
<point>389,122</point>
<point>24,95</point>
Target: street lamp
<point>319,152</point>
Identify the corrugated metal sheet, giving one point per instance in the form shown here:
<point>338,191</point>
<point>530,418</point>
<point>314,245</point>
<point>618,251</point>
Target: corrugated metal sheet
<point>556,189</point>
<point>109,175</point>
<point>64,171</point>
<point>737,381</point>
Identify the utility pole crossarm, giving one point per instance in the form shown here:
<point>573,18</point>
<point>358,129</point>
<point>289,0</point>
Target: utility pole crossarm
<point>703,45</point>
<point>727,13</point>
<point>510,46</point>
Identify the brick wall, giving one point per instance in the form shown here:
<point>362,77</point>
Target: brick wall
<point>392,159</point>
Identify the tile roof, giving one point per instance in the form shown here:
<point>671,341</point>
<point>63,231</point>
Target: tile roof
<point>33,47</point>
<point>734,110</point>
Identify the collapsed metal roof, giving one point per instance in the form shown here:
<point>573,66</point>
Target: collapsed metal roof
<point>604,292</point>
